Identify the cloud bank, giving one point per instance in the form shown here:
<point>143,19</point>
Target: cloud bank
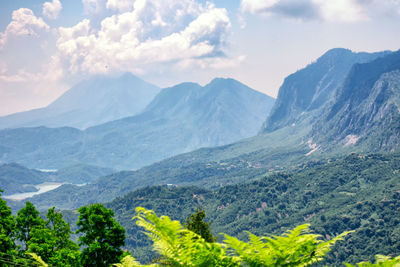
<point>144,33</point>
<point>341,11</point>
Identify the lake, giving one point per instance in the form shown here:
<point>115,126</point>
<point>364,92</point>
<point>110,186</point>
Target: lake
<point>44,187</point>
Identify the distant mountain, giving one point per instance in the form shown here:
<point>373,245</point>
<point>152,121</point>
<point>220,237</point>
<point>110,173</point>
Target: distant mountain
<point>311,88</point>
<point>281,149</point>
<point>180,119</point>
<point>91,102</point>
<point>15,178</point>
<point>366,111</point>
<point>81,173</point>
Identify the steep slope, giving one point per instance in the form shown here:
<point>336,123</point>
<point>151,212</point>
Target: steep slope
<point>366,110</point>
<point>311,88</point>
<point>180,119</point>
<point>90,102</point>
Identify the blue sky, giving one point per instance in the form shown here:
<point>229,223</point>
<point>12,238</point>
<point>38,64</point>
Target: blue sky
<point>47,46</point>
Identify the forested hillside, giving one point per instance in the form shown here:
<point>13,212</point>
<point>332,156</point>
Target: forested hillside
<point>358,192</point>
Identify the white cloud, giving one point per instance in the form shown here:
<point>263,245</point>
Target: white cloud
<point>120,5</point>
<point>154,32</point>
<point>325,10</point>
<point>23,22</point>
<point>51,71</point>
<point>257,6</point>
<point>52,9</point>
<point>341,10</point>
<point>92,6</point>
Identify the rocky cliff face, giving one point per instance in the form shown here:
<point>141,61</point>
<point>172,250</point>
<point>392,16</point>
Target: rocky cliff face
<point>313,87</point>
<point>366,109</point>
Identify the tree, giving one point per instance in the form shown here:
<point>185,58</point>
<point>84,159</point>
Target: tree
<point>59,227</point>
<point>7,224</point>
<point>27,219</point>
<point>102,236</point>
<point>53,243</point>
<point>195,223</point>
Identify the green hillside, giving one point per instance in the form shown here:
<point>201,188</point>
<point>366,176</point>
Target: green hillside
<point>358,192</point>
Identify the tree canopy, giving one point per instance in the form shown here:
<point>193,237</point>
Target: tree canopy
<point>102,236</point>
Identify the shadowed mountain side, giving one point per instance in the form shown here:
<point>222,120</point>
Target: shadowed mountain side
<point>313,87</point>
<point>366,111</point>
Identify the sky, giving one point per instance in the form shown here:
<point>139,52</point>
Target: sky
<point>48,46</point>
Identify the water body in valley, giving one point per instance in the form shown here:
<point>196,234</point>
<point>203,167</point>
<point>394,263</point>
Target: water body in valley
<point>42,188</point>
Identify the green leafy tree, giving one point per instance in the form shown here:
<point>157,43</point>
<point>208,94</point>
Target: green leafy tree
<point>102,236</point>
<point>27,219</point>
<point>7,224</point>
<point>53,243</point>
<point>195,223</point>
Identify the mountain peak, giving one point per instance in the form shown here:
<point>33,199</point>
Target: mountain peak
<point>93,101</point>
<point>223,81</point>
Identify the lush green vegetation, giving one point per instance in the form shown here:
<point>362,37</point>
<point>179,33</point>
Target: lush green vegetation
<point>49,240</point>
<point>358,192</point>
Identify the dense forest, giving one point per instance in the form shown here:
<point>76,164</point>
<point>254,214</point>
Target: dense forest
<point>358,192</point>
<point>30,240</point>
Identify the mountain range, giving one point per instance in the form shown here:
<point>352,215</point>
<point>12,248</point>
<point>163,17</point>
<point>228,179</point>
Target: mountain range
<point>247,159</point>
<point>310,162</point>
<point>91,102</point>
<point>179,119</point>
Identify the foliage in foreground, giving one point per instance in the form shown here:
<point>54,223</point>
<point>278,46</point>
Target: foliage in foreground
<point>182,247</point>
<point>29,240</point>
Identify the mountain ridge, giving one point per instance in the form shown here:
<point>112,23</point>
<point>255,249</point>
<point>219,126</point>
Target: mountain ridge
<point>180,119</point>
<point>92,101</point>
<point>312,87</point>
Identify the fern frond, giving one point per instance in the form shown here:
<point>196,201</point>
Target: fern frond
<point>38,260</point>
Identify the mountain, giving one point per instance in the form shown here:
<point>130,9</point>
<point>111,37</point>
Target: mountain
<point>365,113</point>
<point>212,167</point>
<point>180,119</point>
<point>15,178</point>
<point>90,102</point>
<point>81,173</point>
<point>311,88</point>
